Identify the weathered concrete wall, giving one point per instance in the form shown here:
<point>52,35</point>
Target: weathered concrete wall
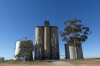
<point>47,42</point>
<point>54,30</point>
<point>39,32</point>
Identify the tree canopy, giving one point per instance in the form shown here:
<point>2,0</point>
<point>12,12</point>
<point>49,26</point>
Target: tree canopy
<point>75,32</point>
<point>26,48</point>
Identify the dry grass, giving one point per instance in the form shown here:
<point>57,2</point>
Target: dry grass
<point>80,62</point>
<point>85,62</point>
<point>27,63</point>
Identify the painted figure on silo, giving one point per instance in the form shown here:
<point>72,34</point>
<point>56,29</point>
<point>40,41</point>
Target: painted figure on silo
<point>38,50</point>
<point>54,46</point>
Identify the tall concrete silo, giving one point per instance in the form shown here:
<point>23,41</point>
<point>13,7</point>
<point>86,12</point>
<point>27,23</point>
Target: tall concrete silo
<point>54,31</point>
<point>39,32</point>
<point>72,52</point>
<point>45,33</point>
<point>46,42</point>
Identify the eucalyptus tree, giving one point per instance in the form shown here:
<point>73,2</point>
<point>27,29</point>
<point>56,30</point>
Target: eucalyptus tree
<point>26,49</point>
<point>75,33</point>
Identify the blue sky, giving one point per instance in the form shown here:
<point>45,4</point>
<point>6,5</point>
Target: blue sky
<point>18,19</point>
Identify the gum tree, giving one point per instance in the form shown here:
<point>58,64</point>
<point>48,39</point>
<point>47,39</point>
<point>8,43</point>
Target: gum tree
<point>26,49</point>
<point>75,33</point>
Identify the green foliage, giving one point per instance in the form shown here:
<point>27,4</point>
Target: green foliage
<point>14,61</point>
<point>26,49</point>
<point>75,33</point>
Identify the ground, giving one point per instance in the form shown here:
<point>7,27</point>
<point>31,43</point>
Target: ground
<point>80,62</point>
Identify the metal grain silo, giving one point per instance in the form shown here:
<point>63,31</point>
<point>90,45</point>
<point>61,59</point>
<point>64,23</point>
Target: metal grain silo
<point>80,52</point>
<point>67,56</point>
<point>17,49</point>
<point>72,52</point>
<point>39,32</point>
<point>54,31</point>
<point>46,42</point>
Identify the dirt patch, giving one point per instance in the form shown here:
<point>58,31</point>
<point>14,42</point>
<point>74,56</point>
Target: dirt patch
<point>85,62</point>
<point>62,63</point>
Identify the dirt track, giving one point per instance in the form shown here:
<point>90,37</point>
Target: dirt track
<point>62,63</point>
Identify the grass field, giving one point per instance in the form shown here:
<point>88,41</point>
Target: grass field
<point>79,62</point>
<point>85,62</point>
<point>27,63</point>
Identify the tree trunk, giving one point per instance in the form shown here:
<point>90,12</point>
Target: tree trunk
<point>76,54</point>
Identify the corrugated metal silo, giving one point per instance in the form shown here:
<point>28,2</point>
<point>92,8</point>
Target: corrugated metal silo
<point>80,52</point>
<point>72,52</point>
<point>46,42</point>
<point>54,30</point>
<point>39,32</point>
<point>67,56</point>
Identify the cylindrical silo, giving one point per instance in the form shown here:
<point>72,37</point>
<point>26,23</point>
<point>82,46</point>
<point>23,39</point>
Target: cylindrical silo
<point>80,52</point>
<point>23,42</point>
<point>39,33</point>
<point>67,56</point>
<point>54,31</point>
<point>65,51</point>
<point>17,49</point>
<point>46,42</point>
<point>72,52</point>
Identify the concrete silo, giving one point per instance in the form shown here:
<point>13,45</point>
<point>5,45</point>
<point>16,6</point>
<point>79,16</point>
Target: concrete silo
<point>46,42</point>
<point>54,31</point>
<point>45,33</point>
<point>39,33</point>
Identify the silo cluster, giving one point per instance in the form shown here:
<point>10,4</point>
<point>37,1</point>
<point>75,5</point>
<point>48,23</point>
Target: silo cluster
<point>45,33</point>
<point>47,44</point>
<point>70,52</point>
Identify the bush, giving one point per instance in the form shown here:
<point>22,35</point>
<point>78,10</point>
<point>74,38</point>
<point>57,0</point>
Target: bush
<point>2,58</point>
